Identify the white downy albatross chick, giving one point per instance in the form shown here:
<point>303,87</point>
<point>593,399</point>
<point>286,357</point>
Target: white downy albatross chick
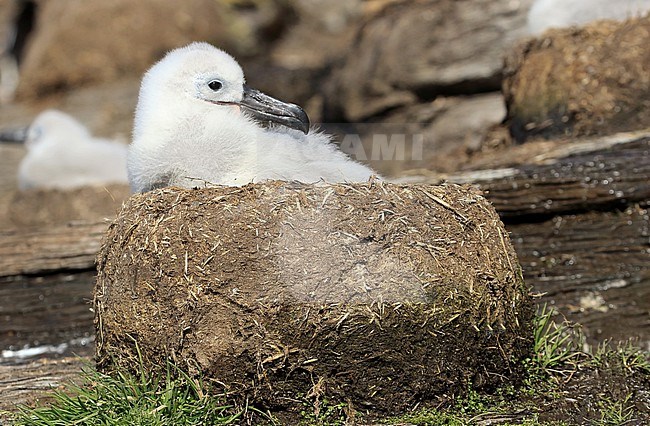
<point>545,14</point>
<point>196,123</point>
<point>62,154</point>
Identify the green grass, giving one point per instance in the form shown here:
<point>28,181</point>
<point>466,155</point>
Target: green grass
<point>615,412</point>
<point>129,400</point>
<point>557,355</point>
<point>323,413</point>
<point>555,345</point>
<point>624,356</point>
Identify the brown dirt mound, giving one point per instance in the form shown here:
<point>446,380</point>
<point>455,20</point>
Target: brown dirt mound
<point>578,82</point>
<point>377,295</point>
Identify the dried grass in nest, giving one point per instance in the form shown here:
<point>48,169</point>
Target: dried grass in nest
<point>379,295</point>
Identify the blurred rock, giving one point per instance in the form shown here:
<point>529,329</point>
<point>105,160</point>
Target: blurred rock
<point>298,86</point>
<point>323,32</point>
<point>106,108</point>
<point>296,65</point>
<point>257,24</point>
<point>433,136</point>
<point>8,63</point>
<point>7,9</point>
<point>83,41</point>
<point>579,82</point>
<point>414,50</point>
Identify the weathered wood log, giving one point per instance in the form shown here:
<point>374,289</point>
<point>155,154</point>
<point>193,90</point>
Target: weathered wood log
<point>29,383</point>
<point>71,247</point>
<point>50,310</point>
<point>578,216</point>
<point>613,174</point>
<point>595,267</point>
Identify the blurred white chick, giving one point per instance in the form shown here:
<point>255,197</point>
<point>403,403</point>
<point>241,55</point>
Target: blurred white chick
<point>62,154</point>
<point>196,123</point>
<point>545,14</point>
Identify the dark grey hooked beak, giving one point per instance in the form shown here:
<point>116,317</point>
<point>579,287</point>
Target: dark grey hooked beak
<point>14,135</point>
<point>268,110</point>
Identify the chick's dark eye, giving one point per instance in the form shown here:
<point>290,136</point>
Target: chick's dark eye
<point>215,85</point>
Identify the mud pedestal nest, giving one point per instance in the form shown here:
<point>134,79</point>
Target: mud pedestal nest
<point>576,82</point>
<point>376,295</point>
